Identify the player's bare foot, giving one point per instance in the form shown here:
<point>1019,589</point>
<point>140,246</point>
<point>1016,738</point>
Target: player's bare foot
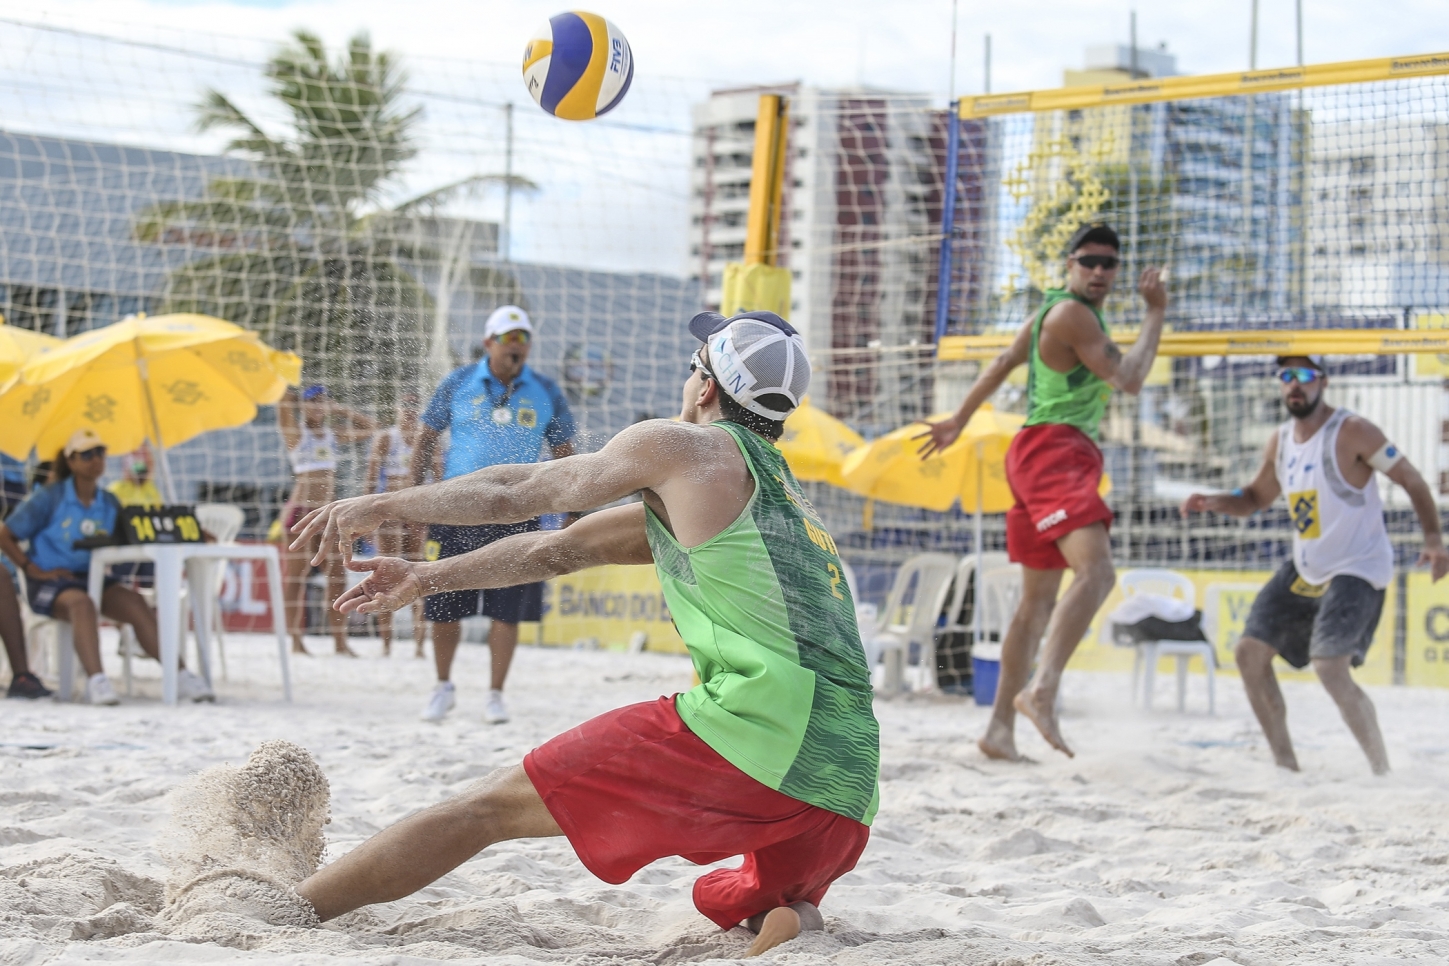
<point>299,648</point>
<point>344,651</point>
<point>782,924</point>
<point>1041,709</point>
<point>998,743</point>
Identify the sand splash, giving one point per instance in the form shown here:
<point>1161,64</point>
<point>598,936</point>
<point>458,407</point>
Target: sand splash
<point>241,838</point>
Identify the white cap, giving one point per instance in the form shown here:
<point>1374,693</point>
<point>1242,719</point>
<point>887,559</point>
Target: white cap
<point>507,318</point>
<point>755,354</point>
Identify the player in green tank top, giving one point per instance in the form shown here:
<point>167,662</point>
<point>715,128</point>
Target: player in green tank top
<point>1054,468</point>
<point>774,755</point>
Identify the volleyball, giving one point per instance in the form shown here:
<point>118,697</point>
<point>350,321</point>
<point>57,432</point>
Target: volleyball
<point>578,66</point>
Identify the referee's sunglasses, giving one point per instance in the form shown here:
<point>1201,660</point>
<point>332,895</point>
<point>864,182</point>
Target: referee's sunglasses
<point>1300,374</point>
<point>513,337</point>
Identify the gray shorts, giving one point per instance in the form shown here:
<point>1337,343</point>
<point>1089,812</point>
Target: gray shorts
<point>1301,621</point>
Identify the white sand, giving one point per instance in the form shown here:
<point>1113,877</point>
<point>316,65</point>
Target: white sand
<point>1169,840</point>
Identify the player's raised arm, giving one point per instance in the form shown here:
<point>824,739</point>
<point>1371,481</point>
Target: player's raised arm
<point>1246,500</point>
<point>613,536</point>
<point>1073,325</point>
<point>941,434</point>
<point>640,457</point>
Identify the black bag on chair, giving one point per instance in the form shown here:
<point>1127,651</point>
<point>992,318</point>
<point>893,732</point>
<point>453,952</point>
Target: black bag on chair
<point>1157,629</point>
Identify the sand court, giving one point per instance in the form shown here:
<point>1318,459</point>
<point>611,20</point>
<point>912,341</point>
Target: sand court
<point>1169,839</point>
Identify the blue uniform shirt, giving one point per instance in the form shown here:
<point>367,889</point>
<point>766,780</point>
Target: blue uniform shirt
<point>494,424</point>
<point>52,518</point>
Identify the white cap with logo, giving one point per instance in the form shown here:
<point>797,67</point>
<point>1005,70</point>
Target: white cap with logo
<point>755,354</point>
<point>507,318</point>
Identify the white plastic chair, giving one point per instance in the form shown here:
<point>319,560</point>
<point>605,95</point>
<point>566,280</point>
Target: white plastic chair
<point>37,628</point>
<point>961,585</point>
<point>1168,583</point>
<point>926,578</point>
<point>1000,597</point>
<point>223,521</point>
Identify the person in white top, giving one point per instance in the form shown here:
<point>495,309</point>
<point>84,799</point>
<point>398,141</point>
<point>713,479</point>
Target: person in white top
<point>1323,605</point>
<point>313,424</point>
<point>389,468</point>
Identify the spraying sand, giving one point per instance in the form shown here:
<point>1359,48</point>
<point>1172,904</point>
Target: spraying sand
<point>1170,839</point>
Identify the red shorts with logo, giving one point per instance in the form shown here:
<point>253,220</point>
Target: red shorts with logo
<point>1054,471</point>
<point>635,785</point>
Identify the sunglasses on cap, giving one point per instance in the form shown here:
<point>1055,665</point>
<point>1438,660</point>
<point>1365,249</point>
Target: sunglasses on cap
<point>1108,262</point>
<point>513,337</point>
<point>697,363</point>
<point>95,452</point>
<point>1300,374</point>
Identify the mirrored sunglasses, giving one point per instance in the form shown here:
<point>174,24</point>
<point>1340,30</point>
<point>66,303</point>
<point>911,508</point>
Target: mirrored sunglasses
<point>513,337</point>
<point>1108,262</point>
<point>1300,374</point>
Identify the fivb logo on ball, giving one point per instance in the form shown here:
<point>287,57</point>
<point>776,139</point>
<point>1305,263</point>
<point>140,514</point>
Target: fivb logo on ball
<point>578,66</point>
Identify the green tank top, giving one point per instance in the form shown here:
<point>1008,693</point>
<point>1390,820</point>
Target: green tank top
<point>1076,398</point>
<point>767,616</point>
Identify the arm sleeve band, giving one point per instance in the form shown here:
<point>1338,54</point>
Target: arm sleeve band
<point>1386,458</point>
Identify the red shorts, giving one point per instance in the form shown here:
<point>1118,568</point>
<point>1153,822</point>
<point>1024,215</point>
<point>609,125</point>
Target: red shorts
<point>636,785</point>
<point>1054,471</point>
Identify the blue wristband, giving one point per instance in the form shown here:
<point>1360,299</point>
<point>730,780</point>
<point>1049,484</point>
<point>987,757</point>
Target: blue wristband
<point>1237,491</point>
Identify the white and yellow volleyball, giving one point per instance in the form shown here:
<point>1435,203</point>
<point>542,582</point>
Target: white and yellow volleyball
<point>578,66</point>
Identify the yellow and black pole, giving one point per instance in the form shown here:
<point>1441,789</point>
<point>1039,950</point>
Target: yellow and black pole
<point>759,282</point>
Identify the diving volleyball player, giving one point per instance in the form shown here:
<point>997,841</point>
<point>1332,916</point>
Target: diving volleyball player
<point>1054,468</point>
<point>1323,604</point>
<point>775,756</point>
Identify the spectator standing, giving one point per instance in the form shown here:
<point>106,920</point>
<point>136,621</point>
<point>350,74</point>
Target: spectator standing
<point>497,410</point>
<point>389,468</point>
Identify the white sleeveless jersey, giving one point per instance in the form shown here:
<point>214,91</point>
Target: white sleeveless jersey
<point>1338,528</point>
<point>398,465</point>
<point>314,451</point>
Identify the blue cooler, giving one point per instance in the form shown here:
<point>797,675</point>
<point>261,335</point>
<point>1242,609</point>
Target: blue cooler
<point>985,671</point>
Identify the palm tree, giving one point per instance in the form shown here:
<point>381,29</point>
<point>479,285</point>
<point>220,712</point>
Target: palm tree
<point>302,252</point>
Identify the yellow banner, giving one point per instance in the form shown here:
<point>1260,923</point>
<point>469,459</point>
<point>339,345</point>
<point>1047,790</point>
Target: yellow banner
<point>607,606</point>
<point>1431,365</point>
<point>1426,644</point>
<point>1225,597</point>
<point>1233,342</point>
<point>1155,89</point>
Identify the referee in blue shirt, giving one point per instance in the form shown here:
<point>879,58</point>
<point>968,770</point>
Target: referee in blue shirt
<point>498,411</point>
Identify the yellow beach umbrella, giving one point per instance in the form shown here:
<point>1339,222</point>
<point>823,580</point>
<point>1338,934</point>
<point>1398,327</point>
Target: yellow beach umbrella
<point>19,346</point>
<point>816,443</point>
<point>166,379</point>
<point>891,469</point>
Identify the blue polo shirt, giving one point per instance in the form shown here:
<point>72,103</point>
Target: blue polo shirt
<point>52,518</point>
<point>494,424</point>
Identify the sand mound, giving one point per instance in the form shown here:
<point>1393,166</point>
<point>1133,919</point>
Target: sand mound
<point>241,838</point>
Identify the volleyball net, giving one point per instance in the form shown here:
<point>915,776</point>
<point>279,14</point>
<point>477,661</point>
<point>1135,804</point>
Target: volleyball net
<point>369,215</point>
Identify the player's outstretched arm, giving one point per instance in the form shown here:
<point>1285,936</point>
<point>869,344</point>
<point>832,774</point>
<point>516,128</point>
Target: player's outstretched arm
<point>1370,446</point>
<point>1075,325</point>
<point>642,456</point>
<point>1247,500</point>
<point>943,433</point>
<point>614,536</point>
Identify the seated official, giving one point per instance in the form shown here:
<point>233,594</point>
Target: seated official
<point>54,518</point>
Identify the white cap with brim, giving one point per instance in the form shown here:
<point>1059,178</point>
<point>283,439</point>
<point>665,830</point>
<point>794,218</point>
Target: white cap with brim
<point>82,440</point>
<point>755,354</point>
<point>508,318</point>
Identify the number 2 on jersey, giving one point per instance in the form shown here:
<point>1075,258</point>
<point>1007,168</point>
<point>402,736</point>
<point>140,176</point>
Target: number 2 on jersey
<point>834,572</point>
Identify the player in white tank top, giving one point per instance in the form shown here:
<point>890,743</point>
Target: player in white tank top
<point>1323,606</point>
<point>389,468</point>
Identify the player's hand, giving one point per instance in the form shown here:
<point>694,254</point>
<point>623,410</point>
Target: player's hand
<point>1152,286</point>
<point>339,523</point>
<point>1196,503</point>
<point>937,436</point>
<point>391,584</point>
<point>1437,559</point>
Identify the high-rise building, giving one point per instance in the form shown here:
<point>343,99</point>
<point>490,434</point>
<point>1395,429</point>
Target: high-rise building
<point>1212,187</point>
<point>860,230</point>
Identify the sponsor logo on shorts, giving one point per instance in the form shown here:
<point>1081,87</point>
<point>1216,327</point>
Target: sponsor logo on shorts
<point>1050,520</point>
